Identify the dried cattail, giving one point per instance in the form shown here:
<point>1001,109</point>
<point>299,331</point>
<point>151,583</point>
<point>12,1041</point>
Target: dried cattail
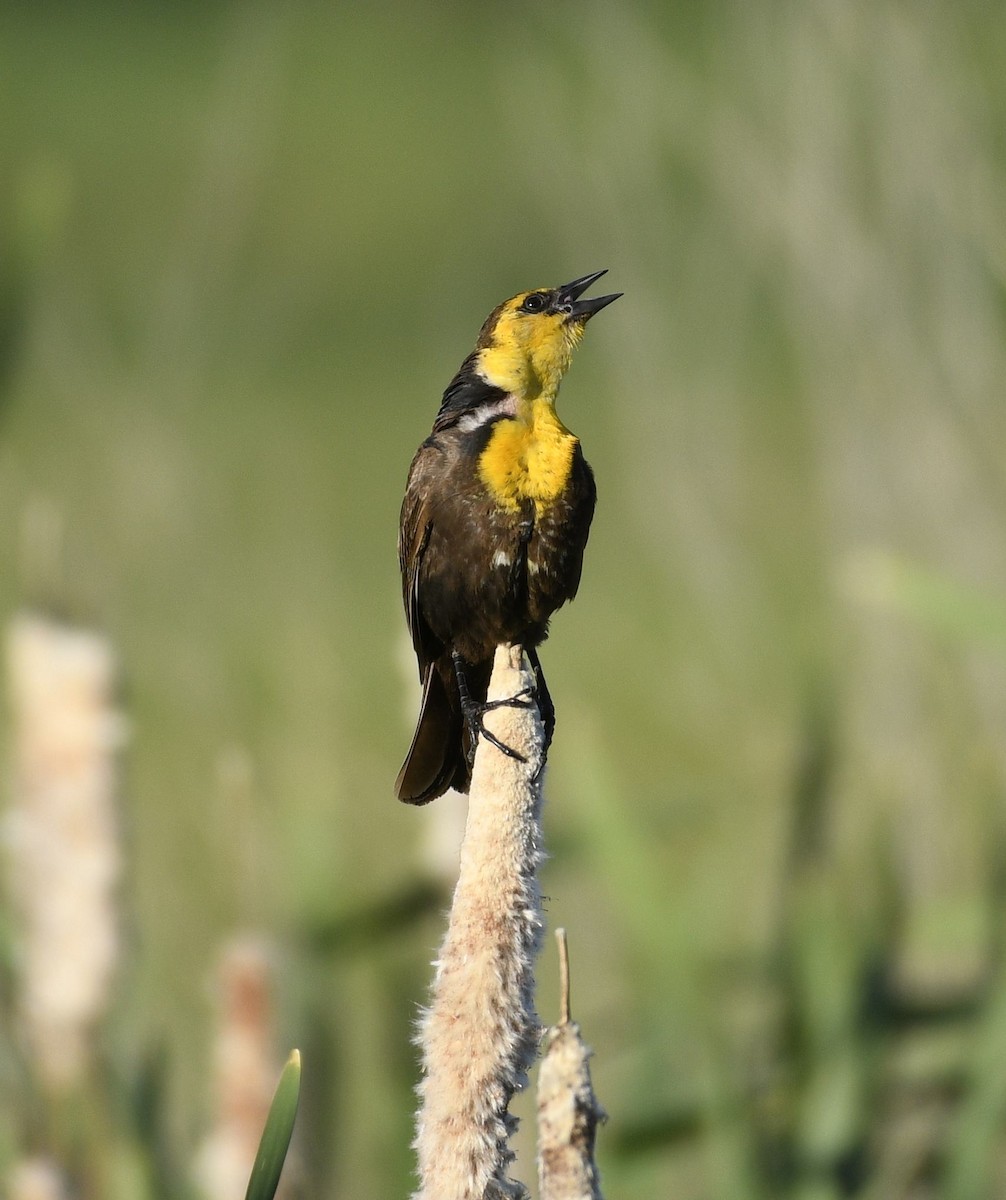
<point>568,1111</point>
<point>61,839</point>
<point>36,1179</point>
<point>244,1069</point>
<point>480,1033</point>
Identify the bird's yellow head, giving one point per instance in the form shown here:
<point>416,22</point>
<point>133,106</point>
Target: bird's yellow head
<point>527,342</point>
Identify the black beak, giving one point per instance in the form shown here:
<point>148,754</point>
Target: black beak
<point>567,299</point>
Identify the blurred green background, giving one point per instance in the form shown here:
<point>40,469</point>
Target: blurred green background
<point>245,246</point>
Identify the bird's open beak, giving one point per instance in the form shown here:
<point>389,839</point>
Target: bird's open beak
<point>568,300</point>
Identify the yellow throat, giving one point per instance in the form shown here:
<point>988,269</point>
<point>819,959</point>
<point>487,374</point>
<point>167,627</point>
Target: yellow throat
<point>528,457</point>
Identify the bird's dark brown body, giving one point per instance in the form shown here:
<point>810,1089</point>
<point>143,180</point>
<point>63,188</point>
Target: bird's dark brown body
<point>494,523</point>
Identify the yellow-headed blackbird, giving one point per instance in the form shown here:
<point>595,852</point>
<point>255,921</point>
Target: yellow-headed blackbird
<point>495,519</point>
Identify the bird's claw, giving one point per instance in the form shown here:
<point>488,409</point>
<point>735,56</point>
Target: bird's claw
<point>526,698</point>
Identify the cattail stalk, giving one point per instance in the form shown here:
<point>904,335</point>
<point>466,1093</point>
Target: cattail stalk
<point>568,1111</point>
<point>36,1179</point>
<point>61,839</point>
<point>244,1069</point>
<point>480,1034</point>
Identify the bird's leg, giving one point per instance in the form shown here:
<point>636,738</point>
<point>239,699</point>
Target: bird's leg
<point>543,696</point>
<point>545,706</point>
<point>474,712</point>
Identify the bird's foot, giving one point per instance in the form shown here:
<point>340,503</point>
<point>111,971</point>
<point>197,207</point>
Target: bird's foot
<point>475,719</point>
<point>526,698</point>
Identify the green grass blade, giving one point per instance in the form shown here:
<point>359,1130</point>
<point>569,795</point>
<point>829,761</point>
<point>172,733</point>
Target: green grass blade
<point>277,1133</point>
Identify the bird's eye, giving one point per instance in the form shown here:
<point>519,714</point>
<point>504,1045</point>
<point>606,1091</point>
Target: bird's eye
<point>534,303</point>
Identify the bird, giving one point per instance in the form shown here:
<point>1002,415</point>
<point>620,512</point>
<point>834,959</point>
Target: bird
<point>497,510</point>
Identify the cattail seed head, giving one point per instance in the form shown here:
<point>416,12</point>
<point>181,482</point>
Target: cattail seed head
<point>61,839</point>
<point>480,1034</point>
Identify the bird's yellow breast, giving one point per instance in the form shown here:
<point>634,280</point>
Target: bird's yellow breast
<point>528,458</point>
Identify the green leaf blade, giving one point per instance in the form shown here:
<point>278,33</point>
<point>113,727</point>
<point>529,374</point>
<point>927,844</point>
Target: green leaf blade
<point>277,1133</point>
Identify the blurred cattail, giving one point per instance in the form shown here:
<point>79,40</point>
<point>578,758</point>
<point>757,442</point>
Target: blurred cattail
<point>244,1069</point>
<point>568,1111</point>
<point>61,839</point>
<point>36,1179</point>
<point>480,1034</point>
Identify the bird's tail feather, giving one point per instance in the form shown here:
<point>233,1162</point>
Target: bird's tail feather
<point>436,760</point>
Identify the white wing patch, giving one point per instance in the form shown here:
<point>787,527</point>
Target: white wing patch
<point>485,413</point>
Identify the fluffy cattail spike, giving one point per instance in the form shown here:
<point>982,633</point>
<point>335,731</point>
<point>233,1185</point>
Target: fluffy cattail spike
<point>568,1111</point>
<point>244,1068</point>
<point>36,1179</point>
<point>480,1034</point>
<point>62,840</point>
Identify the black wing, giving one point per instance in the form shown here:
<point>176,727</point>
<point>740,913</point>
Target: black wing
<point>584,493</point>
<point>413,537</point>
